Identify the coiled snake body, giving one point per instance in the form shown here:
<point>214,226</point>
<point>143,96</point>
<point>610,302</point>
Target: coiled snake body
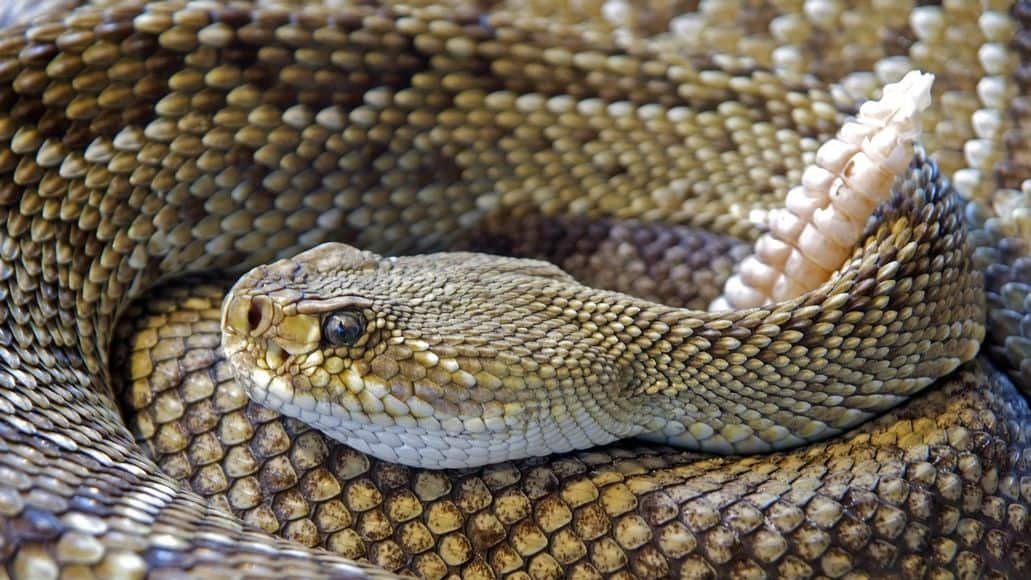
<point>143,142</point>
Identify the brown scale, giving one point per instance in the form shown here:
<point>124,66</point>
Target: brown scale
<point>1006,260</point>
<point>892,496</point>
<point>673,265</point>
<point>935,488</point>
<point>1012,172</point>
<point>623,509</point>
<point>1004,250</point>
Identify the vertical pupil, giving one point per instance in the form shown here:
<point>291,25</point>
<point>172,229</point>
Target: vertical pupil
<point>253,315</point>
<point>344,327</point>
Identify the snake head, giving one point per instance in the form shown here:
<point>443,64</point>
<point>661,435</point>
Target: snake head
<point>443,360</point>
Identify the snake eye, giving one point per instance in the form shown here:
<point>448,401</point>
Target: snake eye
<point>343,328</point>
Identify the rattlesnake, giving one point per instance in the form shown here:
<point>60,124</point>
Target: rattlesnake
<point>140,143</point>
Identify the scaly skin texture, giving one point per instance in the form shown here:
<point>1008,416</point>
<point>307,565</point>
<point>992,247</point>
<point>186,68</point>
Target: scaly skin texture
<point>901,494</point>
<point>139,144</point>
<point>466,360</point>
<point>597,507</point>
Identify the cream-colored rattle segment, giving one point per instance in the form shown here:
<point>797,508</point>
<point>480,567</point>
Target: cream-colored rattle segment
<point>825,215</point>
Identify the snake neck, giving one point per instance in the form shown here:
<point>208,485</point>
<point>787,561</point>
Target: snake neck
<point>906,309</point>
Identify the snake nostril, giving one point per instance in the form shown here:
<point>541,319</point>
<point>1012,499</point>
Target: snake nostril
<point>248,315</point>
<point>259,315</point>
<point>254,316</point>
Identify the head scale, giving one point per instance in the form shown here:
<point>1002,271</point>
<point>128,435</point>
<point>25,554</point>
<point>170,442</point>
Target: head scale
<point>446,360</point>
